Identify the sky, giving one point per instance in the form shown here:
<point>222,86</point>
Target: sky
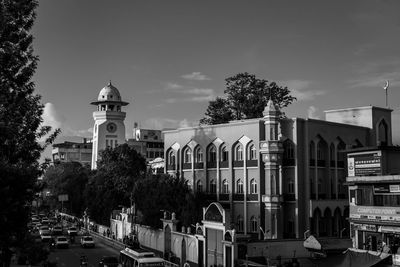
<point>169,58</point>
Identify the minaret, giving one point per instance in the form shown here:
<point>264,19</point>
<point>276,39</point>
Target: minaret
<point>109,127</point>
<point>271,150</point>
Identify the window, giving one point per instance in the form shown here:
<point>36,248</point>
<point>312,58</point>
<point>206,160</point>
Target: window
<point>291,187</point>
<point>289,150</point>
<point>199,155</point>
<point>199,186</point>
<point>103,107</point>
<point>224,154</point>
<point>320,154</point>
<point>107,145</point>
<point>116,142</point>
<point>238,153</point>
<point>118,108</point>
<point>239,187</point>
<point>253,224</point>
<point>319,186</point>
<point>253,186</point>
<point>225,187</point>
<point>273,185</point>
<point>212,154</point>
<point>111,107</point>
<point>240,223</point>
<point>188,155</point>
<point>171,158</point>
<point>253,152</point>
<point>62,156</point>
<point>213,187</point>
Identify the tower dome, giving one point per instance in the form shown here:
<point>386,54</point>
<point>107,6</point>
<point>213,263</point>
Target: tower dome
<point>110,93</point>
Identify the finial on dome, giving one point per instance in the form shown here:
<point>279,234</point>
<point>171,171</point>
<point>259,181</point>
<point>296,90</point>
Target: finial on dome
<point>109,83</point>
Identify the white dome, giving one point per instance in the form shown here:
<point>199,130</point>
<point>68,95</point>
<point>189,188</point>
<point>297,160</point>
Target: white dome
<point>109,93</point>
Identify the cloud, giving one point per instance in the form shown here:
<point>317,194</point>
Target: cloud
<point>173,86</point>
<point>51,117</point>
<point>196,76</point>
<point>166,123</point>
<point>187,93</point>
<point>303,89</point>
<point>312,112</point>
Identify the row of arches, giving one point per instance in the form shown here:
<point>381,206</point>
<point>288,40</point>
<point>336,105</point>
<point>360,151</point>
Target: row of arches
<point>330,223</point>
<point>239,186</point>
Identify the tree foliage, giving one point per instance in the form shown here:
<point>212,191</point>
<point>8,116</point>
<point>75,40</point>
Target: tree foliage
<point>68,178</point>
<point>245,98</point>
<point>20,120</point>
<point>112,184</point>
<point>158,193</point>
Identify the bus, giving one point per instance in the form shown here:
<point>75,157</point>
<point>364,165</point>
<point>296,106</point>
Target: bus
<point>139,258</point>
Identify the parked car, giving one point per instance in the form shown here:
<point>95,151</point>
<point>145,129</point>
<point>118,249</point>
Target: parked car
<point>45,220</point>
<point>62,242</point>
<point>45,236</point>
<point>57,230</point>
<point>108,261</point>
<point>72,231</point>
<point>87,241</point>
<point>43,228</point>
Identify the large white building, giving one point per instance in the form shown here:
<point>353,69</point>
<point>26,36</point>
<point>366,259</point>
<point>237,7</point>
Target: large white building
<point>109,126</point>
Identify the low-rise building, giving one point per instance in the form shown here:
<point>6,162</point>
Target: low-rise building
<point>73,151</point>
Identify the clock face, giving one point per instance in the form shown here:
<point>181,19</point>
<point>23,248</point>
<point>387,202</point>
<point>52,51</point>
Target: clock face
<point>111,127</point>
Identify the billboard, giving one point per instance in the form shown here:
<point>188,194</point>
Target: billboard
<point>375,213</point>
<point>364,164</point>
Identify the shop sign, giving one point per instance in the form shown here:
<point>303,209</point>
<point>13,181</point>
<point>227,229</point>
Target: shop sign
<point>386,188</point>
<point>375,213</point>
<point>388,229</point>
<point>396,259</point>
<point>365,227</point>
<point>394,188</point>
<point>364,164</point>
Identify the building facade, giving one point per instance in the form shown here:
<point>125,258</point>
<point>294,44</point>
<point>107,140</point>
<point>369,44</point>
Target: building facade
<point>147,142</point>
<point>73,151</point>
<point>277,178</point>
<point>374,189</point>
<point>109,126</point>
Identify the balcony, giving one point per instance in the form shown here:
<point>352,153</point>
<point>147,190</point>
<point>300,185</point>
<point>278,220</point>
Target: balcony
<point>171,167</point>
<point>272,199</point>
<point>238,163</point>
<point>224,164</point>
<point>251,163</point>
<point>211,164</point>
<point>224,197</point>
<point>288,162</point>
<point>252,197</point>
<point>289,197</point>
<point>186,166</point>
<point>321,163</point>
<point>238,197</point>
<point>199,165</point>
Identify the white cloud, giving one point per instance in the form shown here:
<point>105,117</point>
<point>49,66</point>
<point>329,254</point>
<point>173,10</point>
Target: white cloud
<point>303,90</point>
<point>312,112</point>
<point>166,123</point>
<point>196,76</point>
<point>173,86</point>
<point>51,117</point>
<point>188,93</point>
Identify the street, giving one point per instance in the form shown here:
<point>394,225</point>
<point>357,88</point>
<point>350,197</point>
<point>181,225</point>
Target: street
<point>71,256</point>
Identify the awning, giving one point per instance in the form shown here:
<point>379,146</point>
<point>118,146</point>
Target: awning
<point>361,258</point>
<point>327,245</point>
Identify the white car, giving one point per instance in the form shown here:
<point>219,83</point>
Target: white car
<point>45,236</point>
<point>62,241</point>
<point>72,231</point>
<point>43,228</point>
<point>57,230</point>
<point>87,241</point>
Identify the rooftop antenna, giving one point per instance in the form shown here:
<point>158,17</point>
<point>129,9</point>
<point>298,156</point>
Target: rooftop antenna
<point>385,87</point>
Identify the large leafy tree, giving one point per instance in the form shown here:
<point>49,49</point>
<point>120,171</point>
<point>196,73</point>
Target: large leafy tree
<point>158,193</point>
<point>245,98</point>
<point>20,122</point>
<point>112,184</point>
<point>68,178</point>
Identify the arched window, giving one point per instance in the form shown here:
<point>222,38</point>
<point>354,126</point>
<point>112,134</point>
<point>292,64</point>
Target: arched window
<point>253,224</point>
<point>253,152</point>
<point>224,154</point>
<point>171,158</point>
<point>273,185</point>
<point>199,186</point>
<point>288,149</point>
<point>213,187</point>
<point>212,154</point>
<point>253,186</point>
<point>320,154</point>
<point>199,155</point>
<point>187,155</point>
<point>239,187</point>
<point>291,186</point>
<point>239,153</point>
<point>239,223</point>
<point>382,133</point>
<point>225,187</point>
<point>311,151</point>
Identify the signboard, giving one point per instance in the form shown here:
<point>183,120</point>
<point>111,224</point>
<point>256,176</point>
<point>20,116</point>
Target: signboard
<point>386,188</point>
<point>375,213</point>
<point>396,259</point>
<point>364,164</point>
<point>63,198</point>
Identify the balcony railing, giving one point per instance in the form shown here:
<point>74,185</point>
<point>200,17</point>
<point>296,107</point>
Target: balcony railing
<point>252,197</point>
<point>238,197</point>
<point>199,165</point>
<point>223,197</point>
<point>238,163</point>
<point>288,162</point>
<point>252,163</point>
<point>186,166</point>
<point>170,167</point>
<point>211,164</point>
<point>224,164</point>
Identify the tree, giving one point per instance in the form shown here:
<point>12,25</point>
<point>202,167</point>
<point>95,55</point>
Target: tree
<point>20,122</point>
<point>245,98</point>
<point>68,178</point>
<point>112,184</point>
<point>161,192</point>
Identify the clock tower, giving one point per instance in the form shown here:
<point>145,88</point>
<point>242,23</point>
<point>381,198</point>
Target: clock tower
<point>109,127</point>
